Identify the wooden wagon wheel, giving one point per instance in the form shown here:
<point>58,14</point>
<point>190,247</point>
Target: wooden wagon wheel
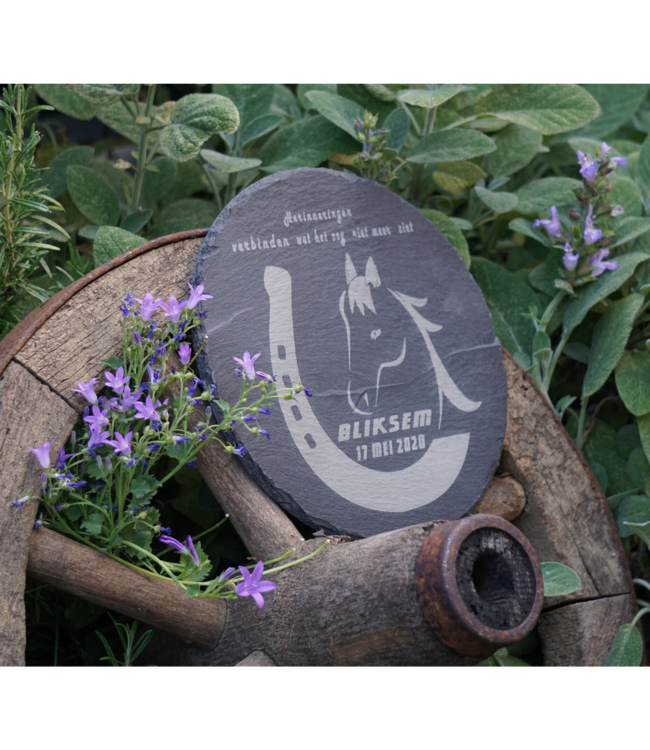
<point>543,479</point>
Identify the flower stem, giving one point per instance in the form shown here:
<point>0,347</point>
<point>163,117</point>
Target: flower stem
<point>142,150</point>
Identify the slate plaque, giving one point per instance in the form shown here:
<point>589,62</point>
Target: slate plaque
<point>348,289</point>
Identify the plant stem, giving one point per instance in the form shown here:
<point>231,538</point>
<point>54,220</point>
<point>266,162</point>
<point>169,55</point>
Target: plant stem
<point>581,421</point>
<point>142,150</point>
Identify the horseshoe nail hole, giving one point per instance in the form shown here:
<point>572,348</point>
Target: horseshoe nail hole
<point>296,413</point>
<point>286,381</point>
<point>310,441</point>
<point>492,577</point>
<point>282,352</point>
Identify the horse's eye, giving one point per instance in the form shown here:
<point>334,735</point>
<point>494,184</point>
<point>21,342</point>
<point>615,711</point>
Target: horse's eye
<point>376,333</point>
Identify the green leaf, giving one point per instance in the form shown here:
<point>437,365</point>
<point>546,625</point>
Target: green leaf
<point>635,509</point>
<point>89,232</point>
<point>189,213</point>
<point>398,124</point>
<point>93,524</point>
<point>451,232</point>
<point>627,439</point>
<point>618,102</point>
<point>450,145</point>
<point>509,299</point>
<point>633,381</point>
<point>305,144</point>
<point>501,203</point>
<point>429,99</point>
<point>55,177</point>
<point>540,195</point>
<point>541,345</point>
<point>608,342</point>
<point>225,163</point>
<point>136,221</point>
<point>638,467</point>
<point>259,127</point>
<point>626,193</point>
<point>304,88</point>
<point>111,242</point>
<point>116,178</point>
<point>629,229</point>
<point>105,93</point>
<point>643,166</point>
<point>598,290</point>
<point>600,474</point>
<point>455,176</point>
<point>193,590</point>
<point>548,109</point>
<point>577,351</point>
<point>358,93</point>
<point>601,448</point>
<point>559,580</point>
<point>113,362</point>
<point>62,97</point>
<point>627,648</point>
<point>223,405</point>
<point>336,109</point>
<point>195,118</point>
<point>157,184</point>
<point>144,487</point>
<point>642,530</point>
<point>380,91</point>
<point>528,230</point>
<point>643,424</point>
<point>252,100</point>
<point>93,195</point>
<point>116,116</point>
<point>516,147</point>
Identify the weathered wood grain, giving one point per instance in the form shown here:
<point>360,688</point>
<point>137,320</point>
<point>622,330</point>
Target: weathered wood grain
<point>93,576</point>
<point>581,634</point>
<point>30,415</point>
<point>504,497</point>
<point>257,659</point>
<point>566,517</point>
<point>70,345</point>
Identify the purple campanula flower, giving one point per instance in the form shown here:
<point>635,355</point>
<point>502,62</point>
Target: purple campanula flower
<point>226,574</point>
<point>185,353</point>
<point>149,306</point>
<point>191,464</point>
<point>97,437</point>
<point>307,391</point>
<point>165,530</point>
<point>599,265</point>
<point>570,258</point>
<point>232,422</point>
<point>551,225</point>
<point>122,444</point>
<point>99,417</point>
<point>132,462</point>
<point>152,327</point>
<point>588,167</point>
<point>86,390</point>
<point>193,553</point>
<point>155,426</point>
<point>146,410</point>
<point>117,381</point>
<point>38,524</point>
<point>238,373</point>
<point>248,363</point>
<point>154,375</point>
<point>193,386</point>
<point>591,232</point>
<point>125,311</point>
<point>196,296</point>
<point>153,447</point>
<point>252,585</point>
<point>42,453</point>
<point>63,457</point>
<point>128,399</point>
<point>264,410</point>
<point>74,485</point>
<point>129,299</point>
<point>202,314</point>
<point>249,418</point>
<point>266,434</point>
<point>240,451</point>
<point>178,439</point>
<point>136,338</point>
<point>20,502</point>
<point>173,309</point>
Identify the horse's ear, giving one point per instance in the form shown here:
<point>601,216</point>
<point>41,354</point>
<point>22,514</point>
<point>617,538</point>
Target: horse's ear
<point>372,274</point>
<point>350,270</point>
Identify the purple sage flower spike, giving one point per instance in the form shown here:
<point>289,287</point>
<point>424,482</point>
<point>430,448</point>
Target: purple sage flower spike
<point>247,363</point>
<point>591,232</point>
<point>588,167</point>
<point>196,296</point>
<point>570,258</point>
<point>193,553</point>
<point>252,585</point>
<point>185,353</point>
<point>86,390</point>
<point>149,306</point>
<point>599,265</point>
<point>42,453</point>
<point>551,225</point>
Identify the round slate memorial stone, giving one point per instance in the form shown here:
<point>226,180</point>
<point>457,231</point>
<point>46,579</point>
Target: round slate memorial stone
<point>346,288</point>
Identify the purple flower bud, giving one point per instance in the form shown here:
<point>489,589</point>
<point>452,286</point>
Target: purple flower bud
<point>191,464</point>
<point>551,225</point>
<point>165,530</point>
<point>226,574</point>
<point>136,338</point>
<point>73,436</point>
<point>240,451</point>
<point>264,410</point>
<point>193,553</point>
<point>20,502</point>
<point>249,418</point>
<point>307,391</point>
<point>185,353</point>
<point>208,412</point>
<point>266,434</point>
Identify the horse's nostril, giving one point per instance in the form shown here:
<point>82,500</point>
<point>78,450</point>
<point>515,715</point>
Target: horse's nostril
<point>376,333</point>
